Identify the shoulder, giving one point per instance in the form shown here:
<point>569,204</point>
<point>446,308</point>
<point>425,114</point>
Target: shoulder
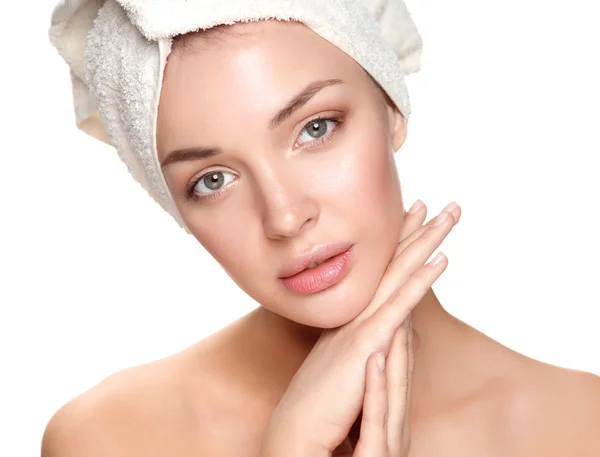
<point>556,412</point>
<point>145,410</point>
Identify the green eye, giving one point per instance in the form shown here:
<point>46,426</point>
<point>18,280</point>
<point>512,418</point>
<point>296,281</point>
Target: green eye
<point>214,181</point>
<point>316,130</point>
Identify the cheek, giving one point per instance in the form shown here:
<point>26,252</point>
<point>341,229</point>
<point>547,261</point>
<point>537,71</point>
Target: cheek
<point>220,232</point>
<point>370,193</point>
<point>367,180</point>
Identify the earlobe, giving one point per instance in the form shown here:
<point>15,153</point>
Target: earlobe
<point>398,126</point>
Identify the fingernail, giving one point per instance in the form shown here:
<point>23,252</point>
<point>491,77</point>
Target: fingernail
<point>416,207</point>
<point>452,206</point>
<point>437,259</point>
<point>440,219</point>
<point>380,361</point>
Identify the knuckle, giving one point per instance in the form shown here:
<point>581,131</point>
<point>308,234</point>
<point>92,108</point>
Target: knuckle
<point>416,285</point>
<point>406,293</point>
<point>410,294</point>
<point>422,274</point>
<point>403,383</point>
<point>385,419</point>
<point>377,421</point>
<point>433,235</point>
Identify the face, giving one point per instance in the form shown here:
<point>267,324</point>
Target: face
<point>268,182</point>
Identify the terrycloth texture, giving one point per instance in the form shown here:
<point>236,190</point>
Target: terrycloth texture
<point>117,51</point>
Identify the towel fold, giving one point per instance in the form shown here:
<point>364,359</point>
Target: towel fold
<point>117,50</point>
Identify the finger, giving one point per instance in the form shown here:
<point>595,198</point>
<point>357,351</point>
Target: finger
<point>412,258</point>
<point>413,219</point>
<point>397,387</point>
<point>452,208</point>
<point>450,219</point>
<point>394,311</point>
<point>405,433</point>
<point>373,428</point>
<point>400,267</point>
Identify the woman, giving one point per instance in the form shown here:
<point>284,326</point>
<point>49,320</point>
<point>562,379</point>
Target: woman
<point>265,135</point>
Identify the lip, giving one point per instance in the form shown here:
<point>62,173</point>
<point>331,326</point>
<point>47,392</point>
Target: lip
<point>327,274</point>
<point>319,253</point>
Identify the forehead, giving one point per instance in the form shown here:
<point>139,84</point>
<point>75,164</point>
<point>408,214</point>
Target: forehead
<point>272,49</point>
<point>269,34</point>
<point>246,70</point>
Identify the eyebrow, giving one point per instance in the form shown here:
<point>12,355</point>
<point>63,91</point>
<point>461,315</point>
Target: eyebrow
<point>190,154</point>
<point>300,100</point>
<point>290,108</point>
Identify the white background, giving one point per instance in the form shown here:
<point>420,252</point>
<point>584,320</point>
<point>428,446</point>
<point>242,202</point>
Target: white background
<point>95,277</point>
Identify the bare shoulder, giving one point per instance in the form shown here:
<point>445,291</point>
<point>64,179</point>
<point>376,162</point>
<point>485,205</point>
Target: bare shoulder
<point>148,410</point>
<point>557,412</point>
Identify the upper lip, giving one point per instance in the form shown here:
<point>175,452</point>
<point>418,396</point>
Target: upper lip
<point>316,254</point>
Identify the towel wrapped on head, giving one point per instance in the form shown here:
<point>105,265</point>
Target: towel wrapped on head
<point>117,50</point>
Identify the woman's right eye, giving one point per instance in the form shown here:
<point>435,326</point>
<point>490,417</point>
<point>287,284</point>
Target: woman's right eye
<point>212,182</point>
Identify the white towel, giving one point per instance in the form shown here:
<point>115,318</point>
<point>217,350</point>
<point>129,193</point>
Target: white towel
<point>117,50</point>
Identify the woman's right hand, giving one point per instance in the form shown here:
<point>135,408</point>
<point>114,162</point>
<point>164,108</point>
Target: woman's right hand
<point>327,393</point>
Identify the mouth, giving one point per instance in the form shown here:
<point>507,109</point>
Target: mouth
<point>320,269</point>
<point>313,258</point>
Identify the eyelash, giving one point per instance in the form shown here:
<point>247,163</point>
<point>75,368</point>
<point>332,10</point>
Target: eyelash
<point>319,141</point>
<point>191,195</point>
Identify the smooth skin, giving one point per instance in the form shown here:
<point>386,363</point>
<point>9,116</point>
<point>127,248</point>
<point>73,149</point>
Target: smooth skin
<point>335,368</point>
<point>284,191</point>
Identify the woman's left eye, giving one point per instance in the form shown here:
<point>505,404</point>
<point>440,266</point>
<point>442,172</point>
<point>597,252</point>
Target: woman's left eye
<point>316,130</point>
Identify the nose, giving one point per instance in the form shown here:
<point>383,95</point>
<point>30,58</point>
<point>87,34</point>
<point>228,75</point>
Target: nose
<point>288,210</point>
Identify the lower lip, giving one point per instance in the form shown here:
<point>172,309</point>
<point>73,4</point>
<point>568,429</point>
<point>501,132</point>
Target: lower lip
<point>316,279</point>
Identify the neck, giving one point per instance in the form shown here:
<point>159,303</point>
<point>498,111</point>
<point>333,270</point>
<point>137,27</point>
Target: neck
<point>447,365</point>
<point>431,323</point>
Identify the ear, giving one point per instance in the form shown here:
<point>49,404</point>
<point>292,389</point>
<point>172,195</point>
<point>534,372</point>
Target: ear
<point>398,125</point>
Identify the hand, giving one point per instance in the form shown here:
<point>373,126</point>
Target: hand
<point>327,393</point>
<point>386,407</point>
